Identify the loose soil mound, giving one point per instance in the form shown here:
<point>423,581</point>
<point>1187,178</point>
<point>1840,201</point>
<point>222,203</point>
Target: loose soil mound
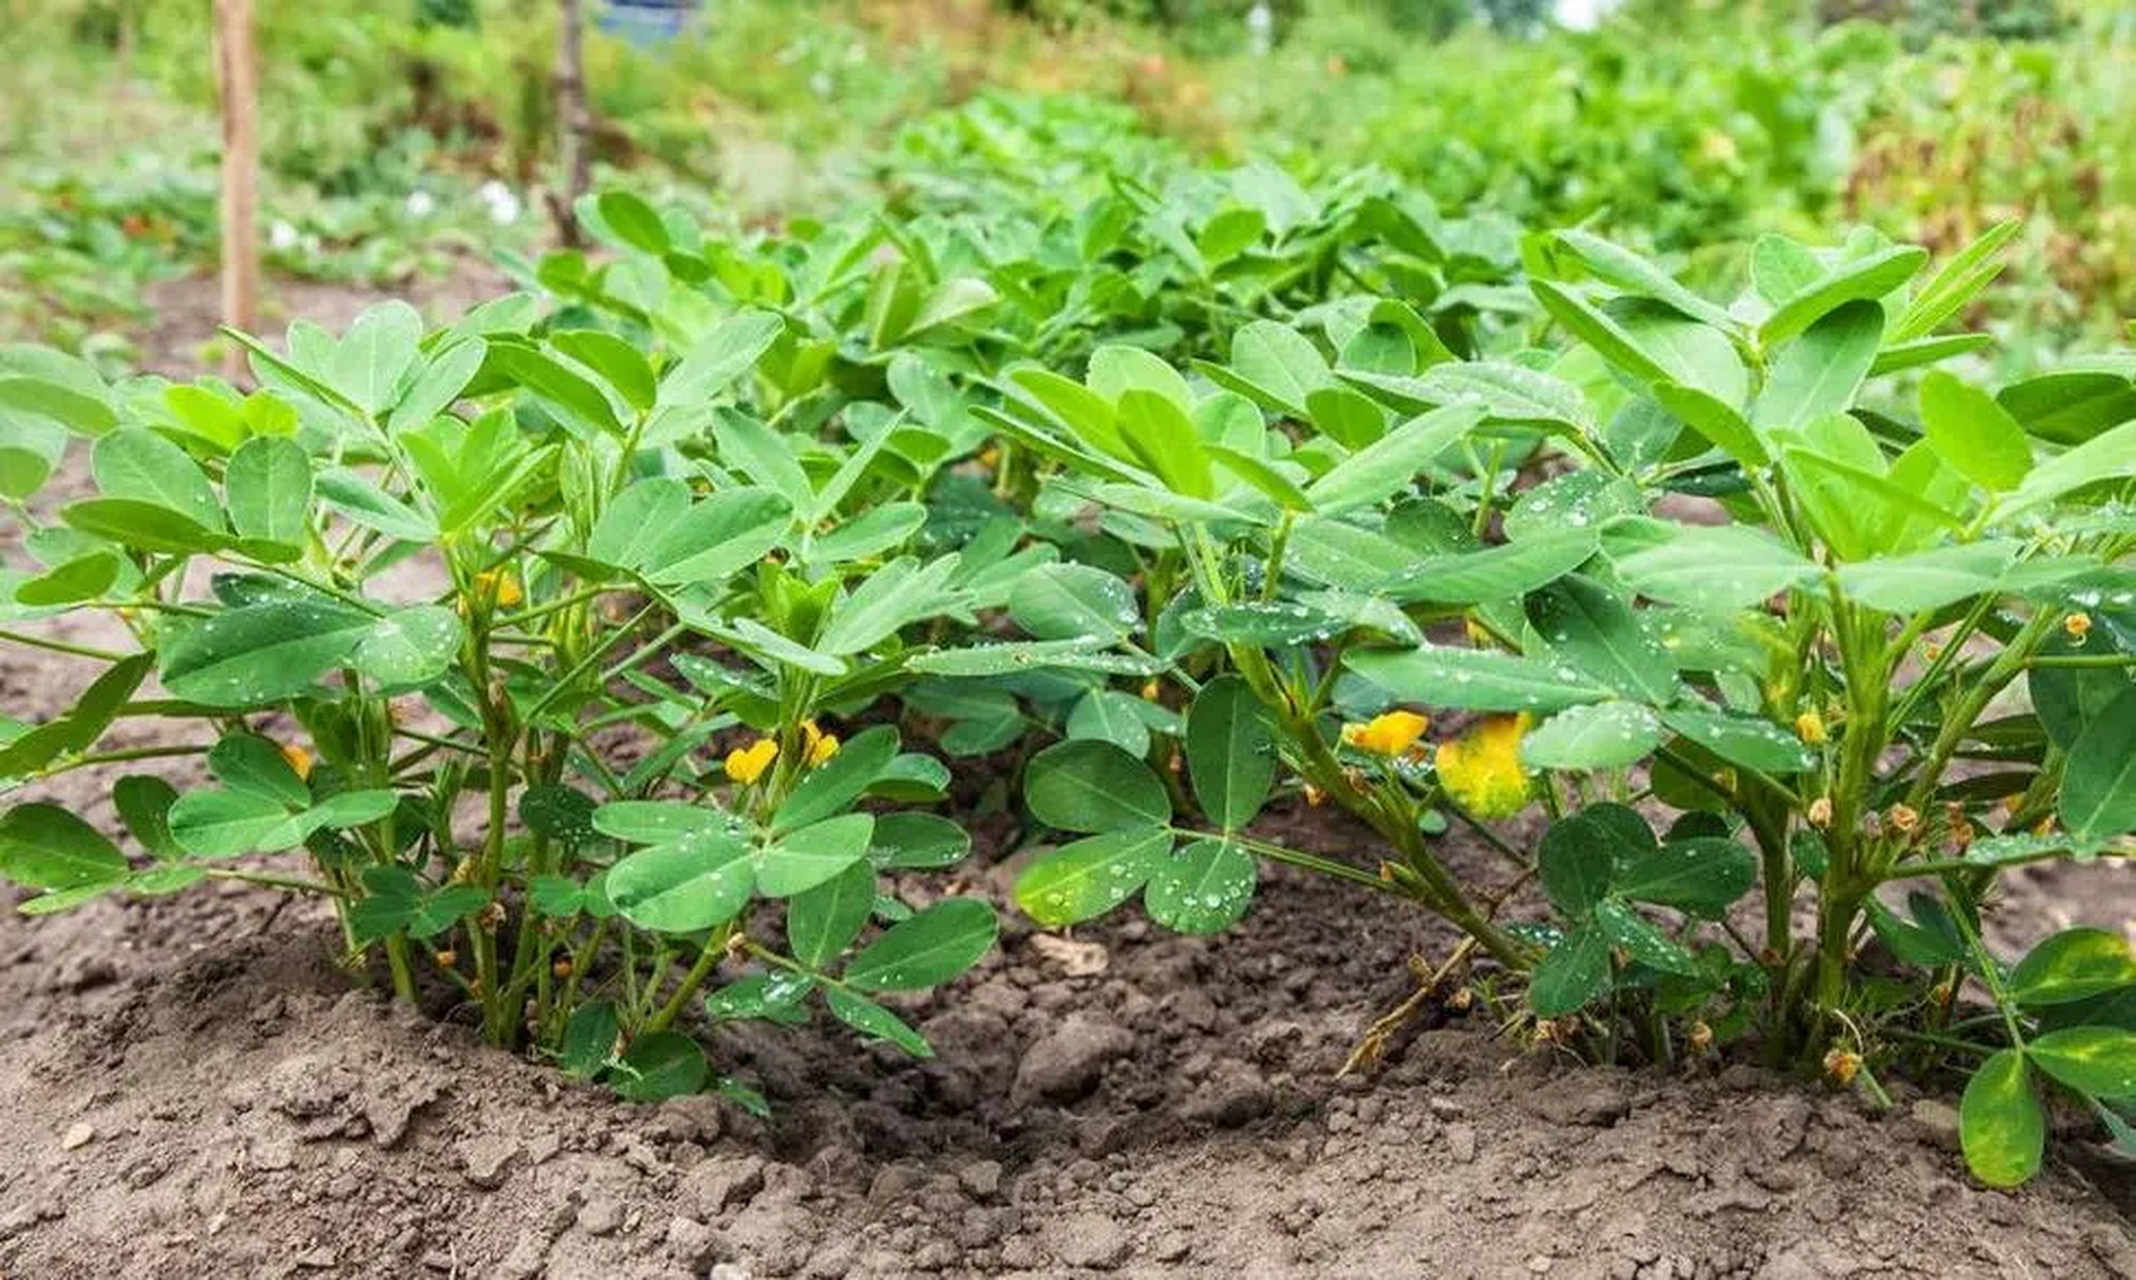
<point>196,1091</point>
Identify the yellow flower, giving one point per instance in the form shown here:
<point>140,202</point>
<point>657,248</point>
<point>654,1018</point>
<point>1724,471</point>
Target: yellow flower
<point>1820,814</point>
<point>2078,625</point>
<point>748,763</point>
<point>1391,734</point>
<point>299,760</point>
<point>498,588</point>
<point>821,746</point>
<point>1841,1066</point>
<point>1481,770</point>
<point>1810,727</point>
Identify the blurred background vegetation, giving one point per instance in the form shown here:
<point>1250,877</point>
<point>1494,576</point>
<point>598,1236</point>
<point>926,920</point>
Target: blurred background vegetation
<point>405,137</point>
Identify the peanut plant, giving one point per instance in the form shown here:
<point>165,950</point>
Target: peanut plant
<point>597,656</point>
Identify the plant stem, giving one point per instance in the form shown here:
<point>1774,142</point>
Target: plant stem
<point>60,646</point>
<point>707,960</point>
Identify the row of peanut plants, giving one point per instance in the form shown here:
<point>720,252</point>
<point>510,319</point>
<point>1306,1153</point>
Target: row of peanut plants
<point>600,654</point>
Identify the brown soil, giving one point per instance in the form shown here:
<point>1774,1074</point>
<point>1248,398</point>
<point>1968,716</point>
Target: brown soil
<point>195,1089</point>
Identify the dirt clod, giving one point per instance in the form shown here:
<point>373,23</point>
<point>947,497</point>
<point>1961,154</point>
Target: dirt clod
<point>1064,1065</point>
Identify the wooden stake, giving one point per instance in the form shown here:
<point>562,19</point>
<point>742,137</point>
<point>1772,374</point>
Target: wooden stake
<point>237,75</point>
<point>574,121</point>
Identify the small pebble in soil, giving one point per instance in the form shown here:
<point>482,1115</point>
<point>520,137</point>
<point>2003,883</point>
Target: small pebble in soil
<point>486,1161</point>
<point>716,1184</point>
<point>77,1136</point>
<point>982,1178</point>
<point>1088,1240</point>
<point>1065,1065</point>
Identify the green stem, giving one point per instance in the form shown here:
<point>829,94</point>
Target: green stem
<point>707,960</point>
<point>60,646</point>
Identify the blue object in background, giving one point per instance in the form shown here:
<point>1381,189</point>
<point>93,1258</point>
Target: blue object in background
<point>648,21</point>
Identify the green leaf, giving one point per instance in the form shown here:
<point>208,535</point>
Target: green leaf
<point>803,858</point>
<point>2109,456</point>
<point>580,403</point>
<point>1279,364</point>
<point>249,763</point>
<point>634,222</point>
<point>1572,975</point>
<point>920,840</point>
<point>717,538</point>
<point>409,647</point>
<point>1817,374</point>
<point>144,803</point>
<point>1504,572</point>
<point>2070,407</point>
<point>1474,680</point>
<point>1600,330</point>
<point>43,846</point>
<point>1715,419</point>
<point>831,787</point>
<point>589,1038</point>
<point>558,812</point>
<point>269,483</point>
<point>136,463</point>
<point>1579,854</point>
<point>1857,283</point>
<point>1633,274</point>
<point>1074,601</point>
<point>1263,476</point>
<point>1974,434</point>
<point>731,349</point>
<point>1163,437</point>
<point>142,526</point>
<point>2075,964</point>
<point>373,356</point>
<point>1719,568</point>
<point>764,456</point>
<point>1741,740</point>
<point>952,301</point>
<point>871,1019</point>
<point>1091,876</point>
<point>927,949</point>
<point>2001,1124</point>
<point>78,730</point>
<point>1956,282</point>
<point>366,504</point>
<point>227,824</point>
<point>1116,370</point>
<point>1702,876</point>
<point>448,373</point>
<point>1929,580</point>
<point>1108,715</point>
<point>1203,888</point>
<point>2098,1062</point>
<point>660,1065</point>
<point>82,578</point>
<point>1391,462</point>
<point>655,821</point>
<point>1605,735</point>
<point>693,884</point>
<point>1092,786</point>
<point>260,652</point>
<point>1231,752</point>
<point>1275,624</point>
<point>823,921</point>
<point>616,361</point>
<point>1598,633</point>
<point>2099,780</point>
<point>1641,941</point>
